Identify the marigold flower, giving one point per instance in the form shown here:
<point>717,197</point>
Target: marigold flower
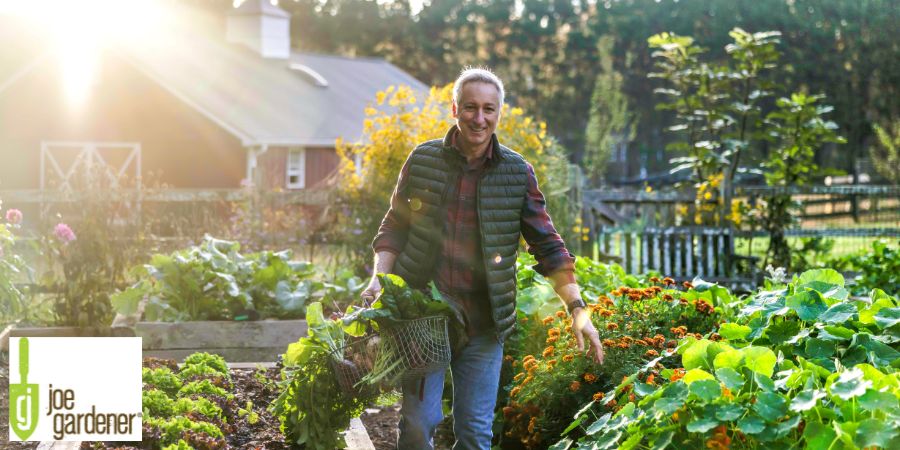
<point>569,329</point>
<point>627,339</point>
<point>608,343</point>
<point>531,424</point>
<point>553,332</point>
<point>715,337</point>
<point>552,339</point>
<point>623,345</point>
<point>651,353</point>
<point>527,380</point>
<point>561,314</point>
<point>568,358</point>
<point>530,364</point>
<point>606,313</point>
<point>515,391</point>
<point>726,393</point>
<point>687,285</point>
<point>650,378</point>
<point>654,279</point>
<point>679,331</point>
<point>672,343</point>
<point>508,358</point>
<point>508,411</point>
<point>677,374</point>
<point>616,293</point>
<point>598,396</point>
<point>574,386</point>
<point>590,378</point>
<point>612,326</point>
<point>668,297</point>
<point>551,363</point>
<point>548,351</point>
<point>634,297</point>
<point>631,397</point>
<point>547,320</point>
<point>668,281</point>
<point>611,403</point>
<point>703,307</point>
<point>519,376</point>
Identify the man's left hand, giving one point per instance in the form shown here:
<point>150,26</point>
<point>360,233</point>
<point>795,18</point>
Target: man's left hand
<point>582,327</point>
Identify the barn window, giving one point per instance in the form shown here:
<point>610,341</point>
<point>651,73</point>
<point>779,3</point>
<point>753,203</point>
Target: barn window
<point>296,168</point>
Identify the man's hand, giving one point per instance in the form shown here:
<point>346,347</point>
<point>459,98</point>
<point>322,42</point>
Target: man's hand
<point>371,291</point>
<point>582,327</point>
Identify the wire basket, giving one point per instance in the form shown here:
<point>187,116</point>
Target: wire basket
<point>352,363</point>
<point>421,346</point>
<point>408,351</point>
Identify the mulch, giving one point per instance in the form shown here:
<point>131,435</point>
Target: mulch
<point>382,426</point>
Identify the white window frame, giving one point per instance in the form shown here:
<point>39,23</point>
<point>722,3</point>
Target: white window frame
<point>300,172</point>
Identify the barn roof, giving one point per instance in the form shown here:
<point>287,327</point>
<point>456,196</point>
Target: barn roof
<point>309,99</point>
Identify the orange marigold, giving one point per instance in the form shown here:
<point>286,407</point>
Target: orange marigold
<point>654,279</point>
<point>574,386</point>
<point>599,396</point>
<point>527,380</point>
<point>631,397</point>
<point>560,314</point>
<point>677,374</point>
<point>508,411</point>
<point>612,326</point>
<point>687,285</point>
<point>611,403</point>
<point>548,351</point>
<point>519,376</point>
<point>550,364</point>
<point>608,343</point>
<point>627,339</point>
<point>508,358</point>
<point>651,378</point>
<point>672,343</point>
<point>651,353</point>
<point>590,378</point>
<point>552,339</point>
<point>568,328</point>
<point>547,320</point>
<point>531,424</point>
<point>553,332</point>
<point>668,297</point>
<point>606,313</point>
<point>568,358</point>
<point>668,281</point>
<point>514,391</point>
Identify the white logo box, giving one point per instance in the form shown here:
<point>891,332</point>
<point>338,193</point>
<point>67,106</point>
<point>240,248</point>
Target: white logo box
<point>103,375</point>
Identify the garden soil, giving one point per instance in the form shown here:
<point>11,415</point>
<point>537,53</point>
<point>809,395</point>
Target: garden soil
<point>381,424</point>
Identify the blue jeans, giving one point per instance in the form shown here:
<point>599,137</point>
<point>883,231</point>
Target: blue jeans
<point>476,378</point>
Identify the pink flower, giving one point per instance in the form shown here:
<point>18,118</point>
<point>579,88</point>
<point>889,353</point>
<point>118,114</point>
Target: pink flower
<point>14,216</point>
<point>64,233</point>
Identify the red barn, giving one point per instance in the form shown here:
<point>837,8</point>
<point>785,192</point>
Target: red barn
<point>190,109</point>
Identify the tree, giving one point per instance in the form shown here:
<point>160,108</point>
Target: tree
<point>886,154</point>
<point>609,121</point>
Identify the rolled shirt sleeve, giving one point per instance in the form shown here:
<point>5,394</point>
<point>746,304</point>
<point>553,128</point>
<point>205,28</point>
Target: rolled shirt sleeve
<point>540,235</point>
<point>393,232</point>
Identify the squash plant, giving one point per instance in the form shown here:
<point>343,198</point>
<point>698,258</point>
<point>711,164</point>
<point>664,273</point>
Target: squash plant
<point>214,281</point>
<point>803,365</point>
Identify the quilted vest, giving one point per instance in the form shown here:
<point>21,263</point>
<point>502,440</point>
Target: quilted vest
<point>500,198</point>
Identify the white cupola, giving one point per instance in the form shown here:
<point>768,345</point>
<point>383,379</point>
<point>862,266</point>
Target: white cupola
<point>262,26</point>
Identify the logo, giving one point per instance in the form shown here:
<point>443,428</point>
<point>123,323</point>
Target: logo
<point>75,389</point>
<point>23,398</point>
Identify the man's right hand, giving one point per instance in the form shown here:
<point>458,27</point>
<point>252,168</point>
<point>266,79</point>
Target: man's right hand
<point>371,291</point>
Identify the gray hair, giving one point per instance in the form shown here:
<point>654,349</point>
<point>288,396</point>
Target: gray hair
<point>480,75</point>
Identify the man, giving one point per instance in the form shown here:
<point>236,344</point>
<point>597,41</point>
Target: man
<point>456,216</point>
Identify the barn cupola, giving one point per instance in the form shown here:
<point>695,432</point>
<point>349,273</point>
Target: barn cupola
<point>262,26</point>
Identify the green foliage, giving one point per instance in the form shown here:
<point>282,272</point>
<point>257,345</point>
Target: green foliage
<point>161,378</point>
<point>798,128</point>
<point>13,301</point>
<point>886,155</point>
<point>879,267</point>
<point>200,405</point>
<point>180,445</point>
<point>203,387</point>
<point>175,429</point>
<point>803,364</point>
<point>610,121</point>
<point>638,319</point>
<point>214,362</point>
<point>312,407</point>
<point>156,403</point>
<point>214,281</point>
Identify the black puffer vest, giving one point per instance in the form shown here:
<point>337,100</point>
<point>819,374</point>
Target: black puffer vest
<point>501,196</point>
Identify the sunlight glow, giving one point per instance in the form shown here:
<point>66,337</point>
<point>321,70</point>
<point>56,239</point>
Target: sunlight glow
<point>80,30</point>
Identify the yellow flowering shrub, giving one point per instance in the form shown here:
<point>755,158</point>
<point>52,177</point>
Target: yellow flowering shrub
<point>396,122</point>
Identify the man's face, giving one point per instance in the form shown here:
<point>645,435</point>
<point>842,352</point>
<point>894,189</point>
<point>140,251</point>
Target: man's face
<point>477,113</point>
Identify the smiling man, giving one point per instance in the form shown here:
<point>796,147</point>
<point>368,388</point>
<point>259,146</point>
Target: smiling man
<point>457,213</point>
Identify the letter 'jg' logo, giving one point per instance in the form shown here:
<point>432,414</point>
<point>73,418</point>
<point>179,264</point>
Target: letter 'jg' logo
<point>23,398</point>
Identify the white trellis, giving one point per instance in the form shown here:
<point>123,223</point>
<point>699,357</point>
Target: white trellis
<point>88,158</point>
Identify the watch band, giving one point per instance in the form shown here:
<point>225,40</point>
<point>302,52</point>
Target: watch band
<point>577,303</point>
